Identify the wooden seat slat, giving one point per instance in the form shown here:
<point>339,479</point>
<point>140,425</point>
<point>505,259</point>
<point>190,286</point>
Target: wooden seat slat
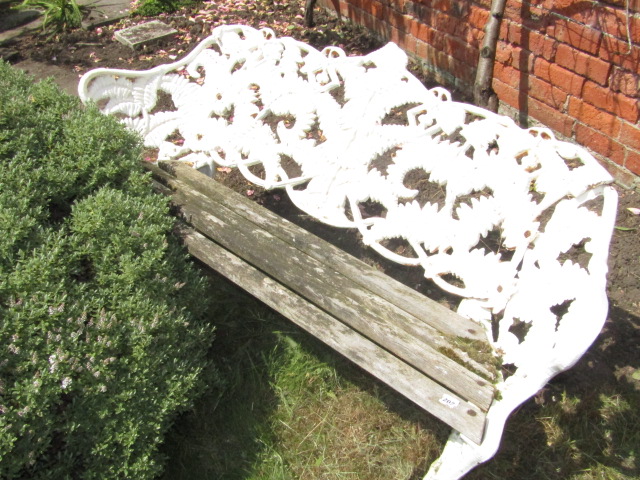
<point>377,319</point>
<point>430,312</point>
<point>465,417</point>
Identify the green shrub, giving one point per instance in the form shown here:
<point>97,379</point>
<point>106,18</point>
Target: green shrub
<point>150,8</point>
<point>59,15</point>
<point>103,337</point>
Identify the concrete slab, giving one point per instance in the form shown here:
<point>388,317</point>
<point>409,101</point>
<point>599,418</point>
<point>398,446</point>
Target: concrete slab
<point>144,34</point>
<point>65,78</point>
<point>104,12</point>
<point>11,19</point>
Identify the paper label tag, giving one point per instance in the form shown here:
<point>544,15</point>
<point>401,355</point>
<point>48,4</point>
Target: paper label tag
<point>449,401</point>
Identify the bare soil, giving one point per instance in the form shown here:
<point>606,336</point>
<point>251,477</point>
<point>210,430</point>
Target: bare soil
<point>615,359</point>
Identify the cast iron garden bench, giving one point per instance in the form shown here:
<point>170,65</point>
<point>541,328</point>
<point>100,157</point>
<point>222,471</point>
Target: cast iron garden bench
<point>513,221</point>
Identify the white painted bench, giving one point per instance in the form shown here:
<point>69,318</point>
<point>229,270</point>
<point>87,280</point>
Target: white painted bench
<point>513,221</point>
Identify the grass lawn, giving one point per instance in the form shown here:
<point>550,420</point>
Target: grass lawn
<point>294,409</point>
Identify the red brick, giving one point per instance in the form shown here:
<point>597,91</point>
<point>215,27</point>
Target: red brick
<point>345,8</point>
<point>409,42</point>
<point>536,19</point>
<point>618,52</point>
<point>377,9</point>
<point>414,27</point>
<point>445,23</point>
<point>550,117</point>
<point>620,105</point>
<point>600,143</point>
<point>506,94</point>
<point>630,135</point>
<point>460,50</point>
<point>543,45</point>
<point>422,49</point>
<point>557,4</point>
<point>472,36</point>
<point>507,75</point>
<point>542,68</point>
<point>436,39</point>
<point>424,32</point>
<point>546,93</point>
<point>399,4</point>
<point>594,117</point>
<point>579,36</point>
<point>514,32</point>
<point>503,53</point>
<point>504,31</point>
<point>625,82</point>
<point>426,15</point>
<point>585,16</point>
<point>522,59</point>
<point>532,41</point>
<point>395,19</point>
<point>395,35</point>
<point>477,17</point>
<point>407,23</point>
<point>442,5</point>
<point>484,3</point>
<point>614,22</point>
<point>566,80</point>
<point>633,161</point>
<point>635,28</point>
<point>583,64</point>
<point>513,12</point>
<point>468,34</point>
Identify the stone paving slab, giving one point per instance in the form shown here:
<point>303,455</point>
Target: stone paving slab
<point>144,34</point>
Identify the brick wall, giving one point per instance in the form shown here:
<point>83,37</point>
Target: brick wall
<point>565,63</point>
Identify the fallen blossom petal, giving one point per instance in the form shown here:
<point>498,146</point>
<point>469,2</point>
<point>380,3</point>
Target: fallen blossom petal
<point>635,211</point>
<point>250,192</point>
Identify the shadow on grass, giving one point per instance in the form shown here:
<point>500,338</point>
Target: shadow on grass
<point>585,424</point>
<point>218,439</point>
<point>229,433</point>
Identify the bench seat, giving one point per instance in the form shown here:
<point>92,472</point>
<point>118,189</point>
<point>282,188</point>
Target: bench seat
<point>406,340</point>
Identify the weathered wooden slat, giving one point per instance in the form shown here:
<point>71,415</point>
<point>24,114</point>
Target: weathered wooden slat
<point>440,320</point>
<point>432,397</point>
<point>423,308</point>
<point>378,320</point>
<point>364,311</point>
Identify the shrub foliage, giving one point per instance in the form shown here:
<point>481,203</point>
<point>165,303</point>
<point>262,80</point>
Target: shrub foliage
<point>103,334</point>
<point>149,8</point>
<point>58,15</point>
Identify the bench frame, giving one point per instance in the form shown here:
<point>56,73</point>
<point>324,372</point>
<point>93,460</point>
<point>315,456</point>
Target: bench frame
<point>536,305</point>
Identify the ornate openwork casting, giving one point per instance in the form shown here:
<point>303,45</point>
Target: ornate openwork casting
<point>514,221</point>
